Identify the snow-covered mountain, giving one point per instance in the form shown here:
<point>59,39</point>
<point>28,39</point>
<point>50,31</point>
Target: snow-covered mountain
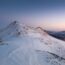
<point>57,34</point>
<point>29,46</point>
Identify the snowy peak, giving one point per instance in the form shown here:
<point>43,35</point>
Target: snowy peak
<point>11,30</point>
<point>13,23</point>
<point>16,29</point>
<point>41,30</point>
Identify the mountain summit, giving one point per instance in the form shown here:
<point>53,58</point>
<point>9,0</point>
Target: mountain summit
<point>16,29</point>
<point>11,30</point>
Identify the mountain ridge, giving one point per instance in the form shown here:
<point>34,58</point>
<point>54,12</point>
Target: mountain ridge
<point>22,50</point>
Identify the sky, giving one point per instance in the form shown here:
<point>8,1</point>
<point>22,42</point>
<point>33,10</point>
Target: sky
<point>49,14</point>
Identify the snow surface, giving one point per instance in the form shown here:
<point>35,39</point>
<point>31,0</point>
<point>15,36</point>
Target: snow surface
<point>25,45</point>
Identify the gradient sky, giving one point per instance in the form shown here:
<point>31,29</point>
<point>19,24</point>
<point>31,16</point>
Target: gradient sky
<point>49,14</point>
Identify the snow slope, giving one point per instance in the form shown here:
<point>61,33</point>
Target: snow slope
<point>26,45</point>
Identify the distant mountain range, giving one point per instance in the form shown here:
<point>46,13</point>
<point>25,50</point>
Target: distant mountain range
<point>59,35</point>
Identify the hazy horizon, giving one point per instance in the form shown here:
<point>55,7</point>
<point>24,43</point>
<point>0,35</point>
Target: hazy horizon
<point>44,13</point>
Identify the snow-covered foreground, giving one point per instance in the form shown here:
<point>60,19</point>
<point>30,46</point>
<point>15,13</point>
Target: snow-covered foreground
<point>26,45</point>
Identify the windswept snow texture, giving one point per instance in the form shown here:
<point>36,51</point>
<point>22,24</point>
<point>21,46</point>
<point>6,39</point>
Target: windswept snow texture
<point>25,45</point>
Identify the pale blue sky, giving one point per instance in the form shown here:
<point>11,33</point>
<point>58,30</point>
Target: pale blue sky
<point>50,14</point>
